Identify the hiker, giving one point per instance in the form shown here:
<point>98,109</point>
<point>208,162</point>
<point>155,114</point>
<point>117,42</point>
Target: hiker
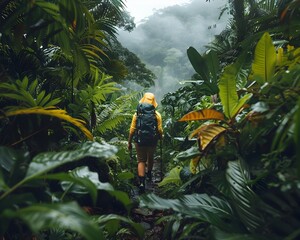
<point>145,130</point>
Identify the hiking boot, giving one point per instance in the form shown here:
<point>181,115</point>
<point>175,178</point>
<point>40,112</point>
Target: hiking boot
<point>142,188</point>
<point>141,184</point>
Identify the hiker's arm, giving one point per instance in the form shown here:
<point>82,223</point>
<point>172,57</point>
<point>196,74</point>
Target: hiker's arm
<point>131,131</point>
<point>159,125</point>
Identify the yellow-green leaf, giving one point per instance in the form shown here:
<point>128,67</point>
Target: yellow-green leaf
<point>263,67</point>
<point>227,87</point>
<point>172,177</point>
<point>240,104</point>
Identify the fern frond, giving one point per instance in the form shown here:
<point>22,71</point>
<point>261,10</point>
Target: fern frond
<point>114,113</point>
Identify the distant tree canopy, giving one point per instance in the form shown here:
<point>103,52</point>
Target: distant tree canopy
<point>131,66</point>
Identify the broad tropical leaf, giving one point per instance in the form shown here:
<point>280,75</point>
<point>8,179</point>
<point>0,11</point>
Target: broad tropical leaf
<point>205,114</point>
<point>213,65</point>
<point>207,67</point>
<point>71,182</point>
<point>245,200</point>
<point>68,216</point>
<point>52,112</point>
<point>209,209</point>
<point>207,133</point>
<point>45,162</point>
<point>263,67</point>
<point>172,177</point>
<point>81,181</point>
<point>240,104</point>
<point>227,87</point>
<point>198,63</point>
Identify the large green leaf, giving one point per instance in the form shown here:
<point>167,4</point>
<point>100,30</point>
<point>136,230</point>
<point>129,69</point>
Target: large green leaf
<point>227,88</point>
<point>207,67</point>
<point>69,216</point>
<point>71,182</point>
<point>213,65</point>
<point>198,63</point>
<point>46,162</point>
<point>245,200</point>
<point>263,67</point>
<point>209,209</point>
<point>172,177</point>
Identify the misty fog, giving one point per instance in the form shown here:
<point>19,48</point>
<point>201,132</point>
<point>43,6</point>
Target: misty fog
<point>162,39</point>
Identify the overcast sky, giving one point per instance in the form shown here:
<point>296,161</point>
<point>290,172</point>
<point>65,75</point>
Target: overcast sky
<point>141,9</point>
<point>161,39</point>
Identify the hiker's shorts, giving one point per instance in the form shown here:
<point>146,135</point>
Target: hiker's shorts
<point>145,153</point>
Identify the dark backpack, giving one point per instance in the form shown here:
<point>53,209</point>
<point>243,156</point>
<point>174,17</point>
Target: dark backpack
<point>146,133</point>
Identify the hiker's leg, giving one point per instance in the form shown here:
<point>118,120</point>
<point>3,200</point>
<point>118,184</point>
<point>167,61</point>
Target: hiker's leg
<point>141,158</point>
<point>150,160</point>
<point>141,153</point>
<point>141,169</point>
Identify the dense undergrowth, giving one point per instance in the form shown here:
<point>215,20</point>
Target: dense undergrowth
<point>230,152</point>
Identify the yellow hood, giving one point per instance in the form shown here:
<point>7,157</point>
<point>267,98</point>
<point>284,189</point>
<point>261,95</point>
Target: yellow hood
<point>149,98</point>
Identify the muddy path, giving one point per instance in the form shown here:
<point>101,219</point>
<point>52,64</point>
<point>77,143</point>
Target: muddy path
<point>147,217</point>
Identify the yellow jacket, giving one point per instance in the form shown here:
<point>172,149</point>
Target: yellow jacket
<point>150,99</point>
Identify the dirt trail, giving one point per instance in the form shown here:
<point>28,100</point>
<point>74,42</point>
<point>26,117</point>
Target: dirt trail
<point>147,217</point>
